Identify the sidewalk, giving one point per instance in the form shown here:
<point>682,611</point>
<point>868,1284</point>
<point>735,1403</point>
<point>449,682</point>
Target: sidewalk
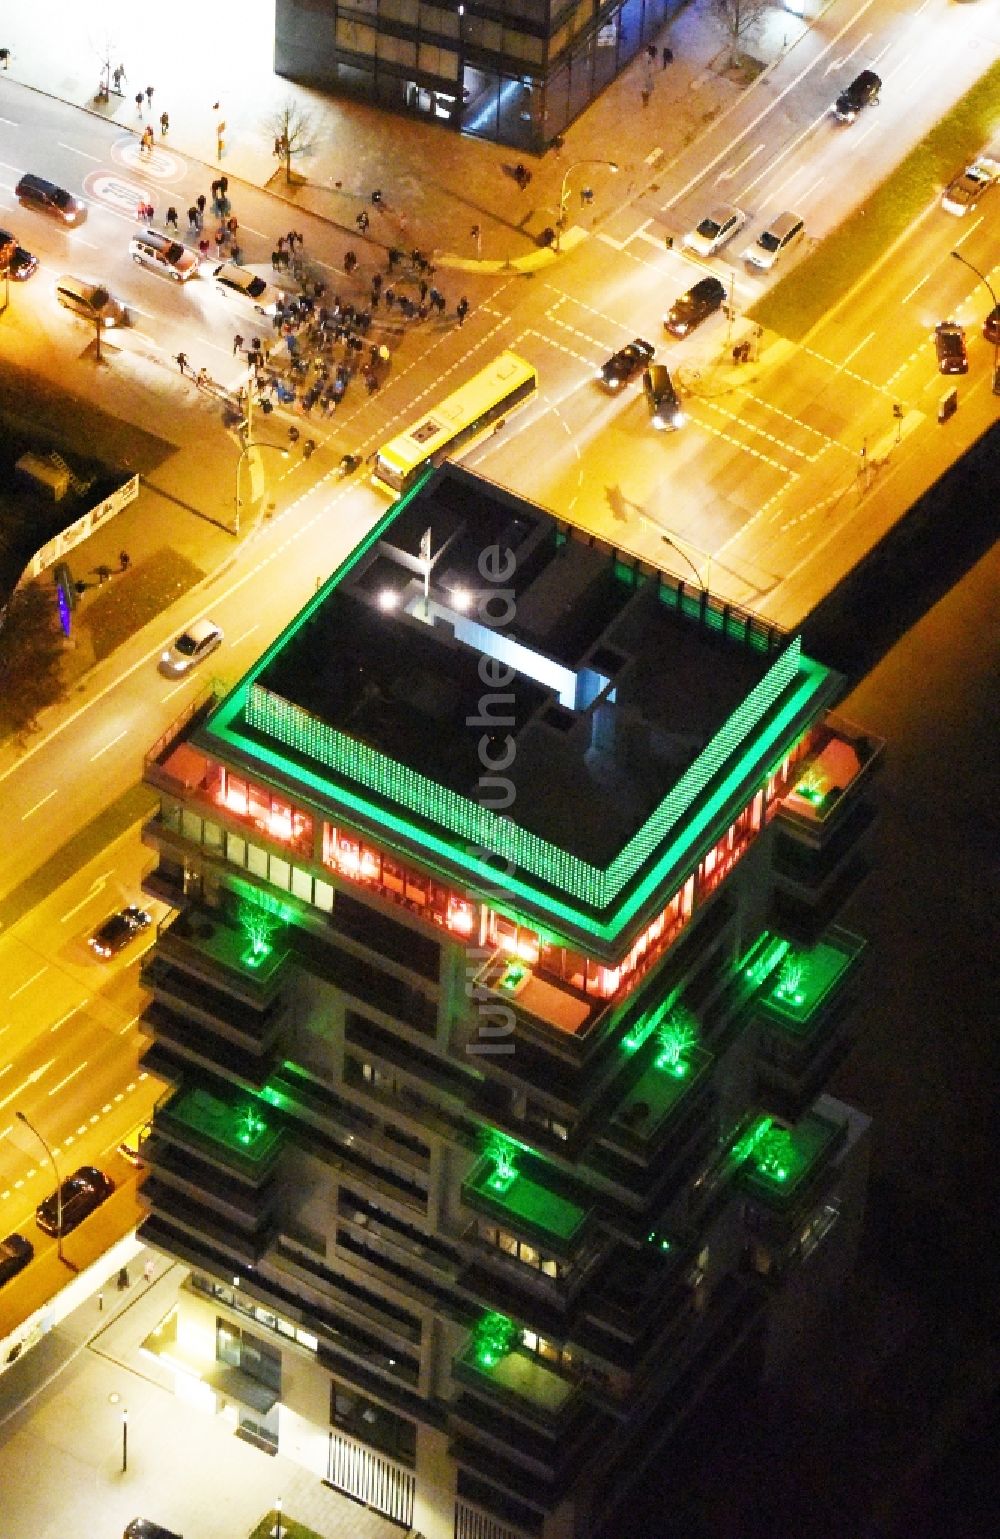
<point>61,1454</point>
<point>436,185</point>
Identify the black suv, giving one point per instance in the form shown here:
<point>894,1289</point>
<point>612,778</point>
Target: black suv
<point>627,361</point>
<point>35,192</point>
<point>687,312</point>
<point>15,1253</point>
<point>664,402</point>
<point>862,92</point>
<point>19,263</point>
<point>114,934</point>
<point>85,1190</point>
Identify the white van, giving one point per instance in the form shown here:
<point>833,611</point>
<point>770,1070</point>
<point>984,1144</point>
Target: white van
<point>246,288</point>
<point>151,249</point>
<point>90,300</point>
<point>780,237</point>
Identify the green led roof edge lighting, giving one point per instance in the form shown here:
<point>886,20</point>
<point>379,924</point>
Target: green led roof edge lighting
<point>816,676</point>
<point>289,724</point>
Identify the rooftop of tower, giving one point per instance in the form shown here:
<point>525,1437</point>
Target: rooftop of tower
<point>493,690</point>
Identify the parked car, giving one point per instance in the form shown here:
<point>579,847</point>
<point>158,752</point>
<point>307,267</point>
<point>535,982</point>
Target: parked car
<point>15,1253</point>
<point>118,929</point>
<point>863,91</point>
<point>148,248</point>
<point>966,190</point>
<point>781,236</point>
<point>90,301</point>
<point>84,1191</point>
<point>715,229</point>
<point>243,286</point>
<point>20,263</point>
<point>700,301</point>
<point>949,344</point>
<point>145,1528</point>
<point>991,325</point>
<point>661,394</point>
<point>191,647</point>
<point>628,360</point>
<point>48,198</point>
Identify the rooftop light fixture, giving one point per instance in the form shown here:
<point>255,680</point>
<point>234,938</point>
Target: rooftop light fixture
<point>461,598</point>
<point>387,599</point>
<point>495,1335</point>
<point>678,1034</point>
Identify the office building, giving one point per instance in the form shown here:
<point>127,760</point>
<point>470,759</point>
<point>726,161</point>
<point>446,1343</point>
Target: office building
<point>518,72</point>
<point>497,1010</point>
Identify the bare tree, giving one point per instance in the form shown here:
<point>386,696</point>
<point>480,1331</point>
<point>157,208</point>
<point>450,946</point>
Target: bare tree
<point>294,132</point>
<point>740,17</point>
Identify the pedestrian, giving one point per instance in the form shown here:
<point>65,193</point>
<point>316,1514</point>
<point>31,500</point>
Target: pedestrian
<point>232,226</point>
<point>221,236</point>
<point>373,354</point>
<point>362,222</point>
<point>171,218</point>
<point>293,434</point>
<point>216,191</point>
<point>118,75</point>
<point>440,304</point>
<point>667,56</point>
<point>376,196</point>
<point>424,286</point>
<point>148,1270</point>
<point>204,246</point>
<point>350,261</point>
<point>201,201</point>
<point>124,560</point>
<point>393,257</point>
<point>237,344</point>
<point>138,102</point>
<point>192,218</point>
<point>182,362</point>
<point>462,310</point>
<point>123,1279</point>
<point>164,124</point>
<point>390,298</point>
<point>201,378</point>
<point>276,260</point>
<point>224,185</point>
<point>149,95</point>
<point>651,52</point>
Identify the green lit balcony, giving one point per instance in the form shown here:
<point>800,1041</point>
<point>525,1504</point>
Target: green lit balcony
<point>777,1165</point>
<point>516,1377</point>
<point>510,1192</point>
<point>670,1082</point>
<point>799,988</point>
<point>240,1135</point>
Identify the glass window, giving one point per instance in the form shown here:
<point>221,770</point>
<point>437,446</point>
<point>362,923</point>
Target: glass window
<point>355,37</point>
<point>212,835</point>
<point>301,884</point>
<point>191,826</point>
<point>281,873</point>
<point>323,896</point>
<point>236,849</point>
<point>257,860</point>
<point>305,1340</point>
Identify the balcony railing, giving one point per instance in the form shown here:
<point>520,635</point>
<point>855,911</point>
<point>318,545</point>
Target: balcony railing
<point>521,1381</point>
<point>842,763</point>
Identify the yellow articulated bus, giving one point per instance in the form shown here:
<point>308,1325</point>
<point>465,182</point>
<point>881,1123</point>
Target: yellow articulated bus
<point>452,426</point>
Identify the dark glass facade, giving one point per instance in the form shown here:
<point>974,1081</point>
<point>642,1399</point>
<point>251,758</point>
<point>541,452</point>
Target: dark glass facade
<point>517,71</point>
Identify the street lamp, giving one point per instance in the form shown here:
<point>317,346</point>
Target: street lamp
<point>996,335</point>
<point>239,470</point>
<point>277,1517</point>
<point>124,1441</point>
<point>59,1207</point>
<point>564,190</point>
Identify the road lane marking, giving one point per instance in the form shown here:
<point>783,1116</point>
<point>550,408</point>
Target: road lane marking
<point>71,1075</point>
<point>114,740</point>
<point>95,892</point>
<point>916,287</point>
<point>726,176</point>
<point>6,1069</point>
<point>74,151</point>
<point>10,123</point>
<point>32,810</point>
<point>32,1079</point>
<point>855,351</point>
<point>64,1018</point>
<point>28,982</point>
<point>246,634</point>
